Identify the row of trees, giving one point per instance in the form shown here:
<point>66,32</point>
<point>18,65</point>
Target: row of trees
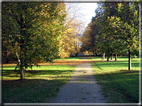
<point>37,31</point>
<point>114,30</point>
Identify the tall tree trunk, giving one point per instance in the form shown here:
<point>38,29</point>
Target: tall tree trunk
<point>21,74</point>
<point>112,57</point>
<point>115,56</point>
<point>108,57</point>
<point>18,61</point>
<point>129,60</point>
<point>103,56</point>
<point>21,67</point>
<point>17,57</point>
<point>21,71</point>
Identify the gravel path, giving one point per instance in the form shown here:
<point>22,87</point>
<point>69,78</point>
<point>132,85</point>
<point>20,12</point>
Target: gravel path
<point>82,88</point>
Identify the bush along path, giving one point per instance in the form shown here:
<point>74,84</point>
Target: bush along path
<point>82,88</point>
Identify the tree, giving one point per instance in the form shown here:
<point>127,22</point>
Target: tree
<point>85,39</point>
<point>71,32</point>
<point>117,32</point>
<point>106,17</point>
<point>130,27</point>
<point>34,30</point>
<point>119,28</point>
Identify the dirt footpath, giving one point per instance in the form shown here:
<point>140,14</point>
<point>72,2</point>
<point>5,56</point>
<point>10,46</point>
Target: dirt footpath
<point>82,88</point>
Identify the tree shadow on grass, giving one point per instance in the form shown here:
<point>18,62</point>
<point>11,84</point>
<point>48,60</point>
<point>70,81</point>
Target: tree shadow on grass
<point>123,81</point>
<point>40,90</point>
<point>41,65</point>
<point>12,73</point>
<point>30,90</point>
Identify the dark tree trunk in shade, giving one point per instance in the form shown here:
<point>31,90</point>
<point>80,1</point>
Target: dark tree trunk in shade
<point>129,60</point>
<point>108,57</point>
<point>115,56</point>
<point>22,74</point>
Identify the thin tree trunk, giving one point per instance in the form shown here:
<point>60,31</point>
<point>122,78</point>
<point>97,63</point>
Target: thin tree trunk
<point>18,61</point>
<point>129,61</point>
<point>108,57</point>
<point>103,56</point>
<point>18,57</point>
<point>21,74</point>
<point>115,56</point>
<point>21,71</point>
<point>21,68</point>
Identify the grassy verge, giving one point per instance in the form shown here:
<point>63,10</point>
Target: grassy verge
<point>41,84</point>
<point>118,84</point>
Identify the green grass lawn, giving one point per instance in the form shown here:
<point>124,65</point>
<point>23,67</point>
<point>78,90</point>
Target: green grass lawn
<point>120,85</point>
<point>70,58</point>
<point>41,84</point>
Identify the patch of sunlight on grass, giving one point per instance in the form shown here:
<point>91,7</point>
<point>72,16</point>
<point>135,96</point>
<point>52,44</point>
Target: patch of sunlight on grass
<point>10,78</point>
<point>42,76</point>
<point>96,60</point>
<point>53,67</point>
